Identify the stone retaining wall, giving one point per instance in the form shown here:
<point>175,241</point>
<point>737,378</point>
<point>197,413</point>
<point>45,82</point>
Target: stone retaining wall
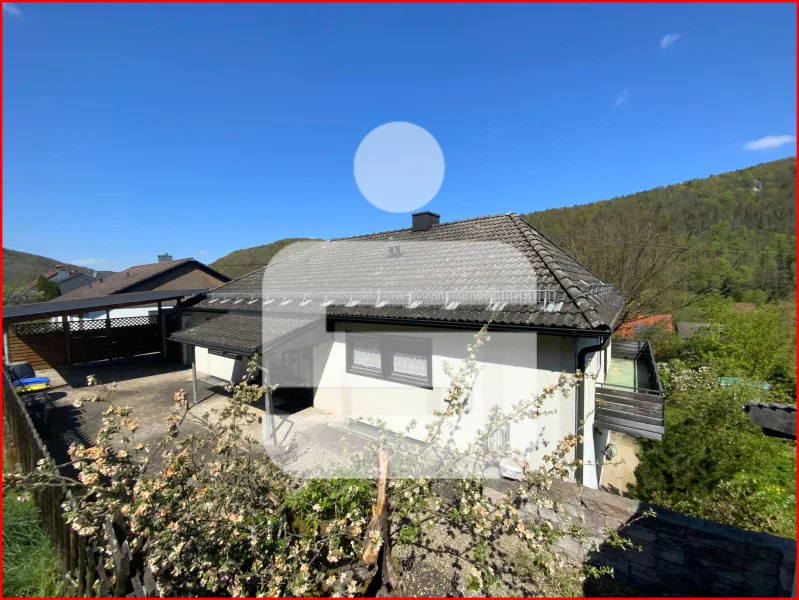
<point>679,555</point>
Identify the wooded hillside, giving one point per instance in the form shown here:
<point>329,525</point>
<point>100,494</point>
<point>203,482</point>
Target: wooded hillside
<point>21,268</point>
<point>731,234</point>
<point>241,262</point>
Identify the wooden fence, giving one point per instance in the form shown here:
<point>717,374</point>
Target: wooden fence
<point>55,344</point>
<point>83,562</point>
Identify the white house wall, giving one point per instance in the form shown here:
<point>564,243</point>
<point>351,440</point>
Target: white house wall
<point>222,367</point>
<point>509,374</point>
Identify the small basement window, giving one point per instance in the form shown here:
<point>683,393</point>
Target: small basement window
<point>393,358</point>
<point>223,353</point>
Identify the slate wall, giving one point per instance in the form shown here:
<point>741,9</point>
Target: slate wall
<point>679,555</point>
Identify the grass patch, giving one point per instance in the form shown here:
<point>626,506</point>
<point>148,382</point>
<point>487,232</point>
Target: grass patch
<point>31,566</point>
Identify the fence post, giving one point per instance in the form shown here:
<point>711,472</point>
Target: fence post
<point>6,354</point>
<point>80,575</point>
<point>91,571</point>
<point>108,353</point>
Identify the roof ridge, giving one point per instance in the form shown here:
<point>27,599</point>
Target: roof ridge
<point>363,235</point>
<point>554,267</point>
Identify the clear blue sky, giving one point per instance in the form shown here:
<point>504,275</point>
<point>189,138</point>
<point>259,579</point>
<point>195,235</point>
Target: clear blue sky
<point>130,130</point>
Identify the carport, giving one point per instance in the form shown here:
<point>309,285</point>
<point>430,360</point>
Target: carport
<point>240,336</point>
<point>30,335</point>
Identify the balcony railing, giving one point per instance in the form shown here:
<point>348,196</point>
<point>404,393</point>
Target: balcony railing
<point>631,400</point>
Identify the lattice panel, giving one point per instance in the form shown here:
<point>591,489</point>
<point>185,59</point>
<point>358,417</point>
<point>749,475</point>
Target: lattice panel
<point>24,329</point>
<point>86,325</point>
<point>133,321</point>
<point>36,328</point>
<point>96,324</point>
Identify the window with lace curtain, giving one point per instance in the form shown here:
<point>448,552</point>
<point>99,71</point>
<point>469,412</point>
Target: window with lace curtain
<point>394,358</point>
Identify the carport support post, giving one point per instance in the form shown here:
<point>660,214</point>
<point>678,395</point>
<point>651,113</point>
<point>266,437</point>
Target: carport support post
<point>269,434</point>
<point>162,322</point>
<point>65,321</point>
<point>193,378</point>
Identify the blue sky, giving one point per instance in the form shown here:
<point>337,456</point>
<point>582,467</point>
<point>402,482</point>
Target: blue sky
<point>131,130</point>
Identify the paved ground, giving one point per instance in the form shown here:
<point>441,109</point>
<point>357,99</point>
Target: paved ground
<point>145,383</point>
<point>308,440</point>
<point>616,477</point>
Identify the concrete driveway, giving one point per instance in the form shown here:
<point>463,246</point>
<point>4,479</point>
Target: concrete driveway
<point>309,440</point>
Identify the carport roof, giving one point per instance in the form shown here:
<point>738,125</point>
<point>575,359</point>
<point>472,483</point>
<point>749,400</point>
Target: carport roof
<point>246,334</point>
<point>44,310</point>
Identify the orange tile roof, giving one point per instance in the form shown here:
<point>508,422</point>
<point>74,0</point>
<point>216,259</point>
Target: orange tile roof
<point>628,329</point>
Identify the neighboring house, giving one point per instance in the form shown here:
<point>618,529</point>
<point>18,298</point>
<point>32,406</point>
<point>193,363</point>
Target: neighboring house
<point>185,273</point>
<point>636,326</point>
<point>744,306</point>
<point>67,280</point>
<point>74,282</point>
<point>363,326</point>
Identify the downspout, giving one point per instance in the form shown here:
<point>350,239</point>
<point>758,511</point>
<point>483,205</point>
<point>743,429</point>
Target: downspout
<point>581,360</point>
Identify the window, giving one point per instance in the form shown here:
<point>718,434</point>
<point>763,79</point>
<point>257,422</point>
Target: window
<point>223,353</point>
<point>499,442</point>
<point>402,359</point>
<point>366,353</point>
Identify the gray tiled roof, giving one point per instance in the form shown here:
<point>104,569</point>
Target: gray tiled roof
<point>451,272</point>
<point>73,282</point>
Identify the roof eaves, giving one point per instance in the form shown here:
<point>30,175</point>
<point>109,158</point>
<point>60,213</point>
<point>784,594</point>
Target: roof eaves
<point>205,344</point>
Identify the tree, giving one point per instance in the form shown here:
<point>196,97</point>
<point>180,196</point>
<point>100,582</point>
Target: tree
<point>48,289</point>
<point>21,295</point>
<point>713,463</point>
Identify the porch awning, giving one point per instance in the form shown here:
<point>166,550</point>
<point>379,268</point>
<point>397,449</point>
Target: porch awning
<point>250,334</point>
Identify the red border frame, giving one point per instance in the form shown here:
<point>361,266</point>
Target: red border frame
<point>409,1</point>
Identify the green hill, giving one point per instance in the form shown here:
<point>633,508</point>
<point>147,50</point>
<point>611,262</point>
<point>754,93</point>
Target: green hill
<point>731,234</point>
<point>20,268</point>
<point>241,262</point>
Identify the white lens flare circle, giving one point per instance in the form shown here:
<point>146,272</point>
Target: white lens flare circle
<point>399,167</point>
